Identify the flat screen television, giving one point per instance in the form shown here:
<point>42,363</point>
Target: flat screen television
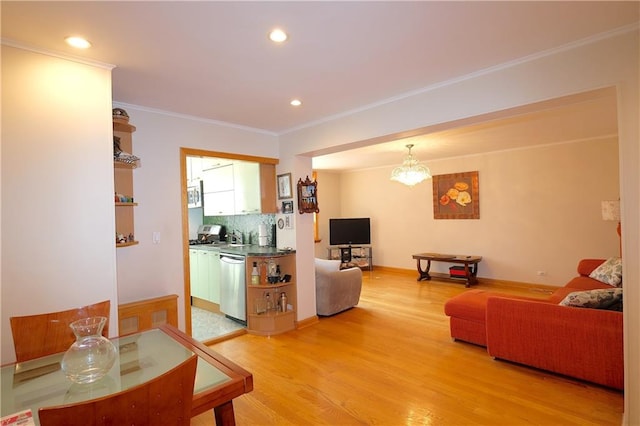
<point>349,231</point>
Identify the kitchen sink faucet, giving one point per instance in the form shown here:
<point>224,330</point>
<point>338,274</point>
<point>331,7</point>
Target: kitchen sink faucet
<point>235,237</point>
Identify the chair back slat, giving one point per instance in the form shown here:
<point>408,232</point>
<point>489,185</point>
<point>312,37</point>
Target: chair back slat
<point>39,335</point>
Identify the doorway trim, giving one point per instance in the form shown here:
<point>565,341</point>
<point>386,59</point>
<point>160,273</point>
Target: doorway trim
<point>193,152</point>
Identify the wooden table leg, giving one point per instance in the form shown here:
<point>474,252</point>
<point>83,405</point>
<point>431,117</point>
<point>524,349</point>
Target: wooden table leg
<point>470,273</point>
<point>424,275</point>
<point>224,414</point>
<point>467,273</point>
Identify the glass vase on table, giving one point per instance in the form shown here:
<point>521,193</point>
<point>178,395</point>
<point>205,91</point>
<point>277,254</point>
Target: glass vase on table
<point>92,355</point>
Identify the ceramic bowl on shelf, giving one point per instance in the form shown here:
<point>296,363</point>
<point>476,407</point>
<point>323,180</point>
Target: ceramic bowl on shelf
<point>120,114</point>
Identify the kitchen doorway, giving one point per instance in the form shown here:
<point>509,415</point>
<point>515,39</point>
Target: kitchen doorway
<point>204,323</point>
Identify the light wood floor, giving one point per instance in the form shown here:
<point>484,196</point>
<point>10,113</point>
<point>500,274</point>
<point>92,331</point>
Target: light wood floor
<point>391,361</point>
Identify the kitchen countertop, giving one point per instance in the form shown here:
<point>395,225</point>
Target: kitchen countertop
<point>244,250</point>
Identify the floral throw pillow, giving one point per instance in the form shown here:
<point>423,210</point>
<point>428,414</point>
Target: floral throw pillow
<point>610,272</point>
<point>602,298</point>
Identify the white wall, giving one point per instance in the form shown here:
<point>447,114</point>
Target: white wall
<point>601,63</point>
<point>150,270</point>
<point>539,211</point>
<point>300,168</point>
<point>58,246</point>
<point>329,190</point>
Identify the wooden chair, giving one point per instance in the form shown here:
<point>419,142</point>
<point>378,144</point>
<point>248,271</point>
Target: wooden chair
<point>45,334</point>
<point>165,400</point>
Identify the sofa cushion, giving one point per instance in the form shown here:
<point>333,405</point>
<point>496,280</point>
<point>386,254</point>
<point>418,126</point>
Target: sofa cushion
<point>327,265</point>
<point>577,284</point>
<point>560,294</point>
<point>604,298</point>
<point>470,305</point>
<point>585,283</point>
<point>586,266</point>
<point>610,272</point>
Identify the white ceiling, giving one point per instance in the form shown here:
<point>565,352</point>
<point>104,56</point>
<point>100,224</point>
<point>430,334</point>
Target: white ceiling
<point>577,118</point>
<point>213,60</point>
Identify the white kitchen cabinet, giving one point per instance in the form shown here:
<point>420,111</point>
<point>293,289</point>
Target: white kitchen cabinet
<point>237,188</point>
<point>204,267</point>
<point>194,169</point>
<point>198,266</point>
<point>203,275</point>
<point>217,191</point>
<point>246,179</point>
<point>218,179</point>
<point>194,272</point>
<point>214,276</point>
<point>219,203</point>
<point>213,162</point>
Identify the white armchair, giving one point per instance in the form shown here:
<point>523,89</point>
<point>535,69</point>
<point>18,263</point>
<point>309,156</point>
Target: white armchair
<point>336,290</point>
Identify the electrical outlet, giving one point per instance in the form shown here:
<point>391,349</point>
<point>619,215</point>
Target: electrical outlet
<point>542,273</point>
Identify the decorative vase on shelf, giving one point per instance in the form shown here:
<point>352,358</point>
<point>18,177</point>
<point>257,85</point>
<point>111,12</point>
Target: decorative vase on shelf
<point>92,355</point>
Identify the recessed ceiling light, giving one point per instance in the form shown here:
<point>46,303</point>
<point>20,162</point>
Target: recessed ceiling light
<point>278,36</point>
<point>78,42</point>
<point>296,102</point>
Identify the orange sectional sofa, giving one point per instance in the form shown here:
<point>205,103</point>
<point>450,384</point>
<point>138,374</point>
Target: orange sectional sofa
<point>584,343</point>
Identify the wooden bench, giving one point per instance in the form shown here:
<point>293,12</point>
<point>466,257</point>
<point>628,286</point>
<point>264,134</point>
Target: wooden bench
<point>146,314</point>
<point>470,265</point>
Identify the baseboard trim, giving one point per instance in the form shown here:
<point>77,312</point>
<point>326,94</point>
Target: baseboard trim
<point>490,282</point>
<point>205,304</point>
<point>225,337</point>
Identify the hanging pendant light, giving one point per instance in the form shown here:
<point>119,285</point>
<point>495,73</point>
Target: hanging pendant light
<point>411,171</point>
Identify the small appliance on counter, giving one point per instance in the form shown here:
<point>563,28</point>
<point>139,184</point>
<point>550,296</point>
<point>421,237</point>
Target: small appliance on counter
<point>209,234</point>
<point>263,236</point>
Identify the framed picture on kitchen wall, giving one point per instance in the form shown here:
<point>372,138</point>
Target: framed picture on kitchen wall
<point>287,207</point>
<point>284,186</point>
<point>456,196</point>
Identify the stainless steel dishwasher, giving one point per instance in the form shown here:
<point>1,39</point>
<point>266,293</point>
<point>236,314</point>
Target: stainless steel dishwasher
<point>232,287</point>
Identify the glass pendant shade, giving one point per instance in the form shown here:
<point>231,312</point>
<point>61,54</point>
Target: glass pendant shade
<point>411,171</point>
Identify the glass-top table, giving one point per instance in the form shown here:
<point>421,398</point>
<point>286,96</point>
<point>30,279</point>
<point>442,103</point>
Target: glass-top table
<point>143,356</point>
